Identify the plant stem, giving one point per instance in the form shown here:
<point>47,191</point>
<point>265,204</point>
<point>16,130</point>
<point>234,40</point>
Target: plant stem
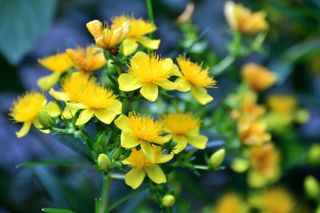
<point>105,194</point>
<point>201,167</point>
<point>223,65</point>
<point>150,13</point>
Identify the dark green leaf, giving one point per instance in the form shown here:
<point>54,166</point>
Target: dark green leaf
<point>55,210</point>
<point>52,163</point>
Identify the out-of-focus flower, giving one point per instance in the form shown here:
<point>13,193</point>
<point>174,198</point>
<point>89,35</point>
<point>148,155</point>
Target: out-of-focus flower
<point>196,79</point>
<point>142,166</point>
<point>82,92</point>
<point>58,64</point>
<point>87,59</point>
<point>26,108</point>
<point>139,28</point>
<point>264,165</point>
<point>282,104</point>
<point>230,203</point>
<point>257,77</point>
<point>240,165</point>
<point>277,200</point>
<point>108,37</point>
<point>253,132</point>
<point>148,72</point>
<point>141,130</point>
<point>243,20</point>
<point>184,129</point>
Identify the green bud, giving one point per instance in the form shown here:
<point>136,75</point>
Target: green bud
<point>302,116</point>
<point>314,154</point>
<point>168,200</point>
<point>45,119</point>
<point>240,165</point>
<point>103,162</point>
<point>312,187</point>
<point>217,158</point>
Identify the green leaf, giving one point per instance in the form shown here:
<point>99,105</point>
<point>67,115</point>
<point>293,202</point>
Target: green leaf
<point>55,210</point>
<point>23,23</point>
<point>52,163</point>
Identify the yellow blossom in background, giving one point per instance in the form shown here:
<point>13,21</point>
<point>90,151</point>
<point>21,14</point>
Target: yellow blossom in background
<point>196,79</point>
<point>58,64</point>
<point>264,165</point>
<point>243,20</point>
<point>108,37</point>
<point>26,108</point>
<point>253,133</point>
<point>258,77</point>
<point>230,203</point>
<point>184,129</point>
<point>82,92</point>
<point>277,200</point>
<point>148,72</point>
<point>139,28</point>
<point>142,166</point>
<point>141,130</point>
<point>87,59</point>
<point>282,104</point>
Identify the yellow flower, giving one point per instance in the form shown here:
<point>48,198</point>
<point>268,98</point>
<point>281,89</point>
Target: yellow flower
<point>58,64</point>
<point>242,19</point>
<point>230,203</point>
<point>148,72</point>
<point>253,133</point>
<point>141,130</point>
<point>139,28</point>
<point>282,104</point>
<point>264,165</point>
<point>196,79</point>
<point>184,129</point>
<point>257,77</point>
<point>26,108</point>
<point>106,37</point>
<point>142,166</point>
<point>88,59</point>
<point>83,93</point>
<point>277,200</point>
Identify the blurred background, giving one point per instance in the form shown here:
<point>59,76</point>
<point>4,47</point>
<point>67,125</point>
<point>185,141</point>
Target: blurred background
<point>37,28</point>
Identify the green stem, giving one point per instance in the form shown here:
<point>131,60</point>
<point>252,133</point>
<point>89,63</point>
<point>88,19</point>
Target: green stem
<point>150,13</point>
<point>223,65</point>
<point>105,194</point>
<point>201,167</point>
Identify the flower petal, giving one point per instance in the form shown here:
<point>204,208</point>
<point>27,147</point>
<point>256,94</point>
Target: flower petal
<point>147,150</point>
<point>53,109</point>
<point>201,95</point>
<point>58,95</point>
<point>183,85</point>
<point>156,174</point>
<point>181,143</point>
<point>122,122</point>
<point>84,117</point>
<point>24,130</point>
<point>129,46</point>
<point>162,139</point>
<point>134,177</point>
<point>164,158</point>
<point>167,85</point>
<point>128,141</point>
<point>46,82</point>
<point>198,141</point>
<point>149,91</point>
<point>128,83</point>
<point>152,44</point>
<point>106,116</point>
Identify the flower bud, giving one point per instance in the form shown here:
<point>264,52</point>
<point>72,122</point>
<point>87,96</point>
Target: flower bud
<point>44,119</point>
<point>168,200</point>
<point>302,116</point>
<point>217,158</point>
<point>314,154</point>
<point>103,162</point>
<point>240,165</point>
<point>312,187</point>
